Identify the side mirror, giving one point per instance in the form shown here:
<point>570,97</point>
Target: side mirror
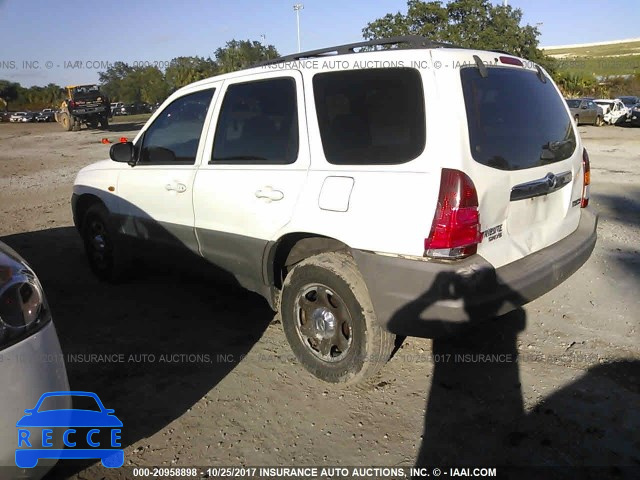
<point>122,152</point>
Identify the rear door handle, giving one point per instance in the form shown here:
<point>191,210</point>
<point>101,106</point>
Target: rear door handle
<point>176,187</point>
<point>268,193</point>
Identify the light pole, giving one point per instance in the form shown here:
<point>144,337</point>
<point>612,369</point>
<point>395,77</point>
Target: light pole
<point>296,8</point>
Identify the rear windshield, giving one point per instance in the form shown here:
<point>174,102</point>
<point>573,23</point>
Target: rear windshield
<point>573,103</point>
<point>515,120</point>
<point>370,116</point>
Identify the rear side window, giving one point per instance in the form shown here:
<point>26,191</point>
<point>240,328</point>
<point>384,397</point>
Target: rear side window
<point>370,117</point>
<point>515,120</point>
<point>258,123</point>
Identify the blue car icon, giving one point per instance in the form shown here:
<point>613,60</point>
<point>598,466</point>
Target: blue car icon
<point>40,446</point>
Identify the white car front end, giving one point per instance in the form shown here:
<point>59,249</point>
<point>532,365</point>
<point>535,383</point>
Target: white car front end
<point>31,361</point>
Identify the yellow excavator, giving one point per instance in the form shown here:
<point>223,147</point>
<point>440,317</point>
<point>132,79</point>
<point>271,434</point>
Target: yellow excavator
<point>84,104</point>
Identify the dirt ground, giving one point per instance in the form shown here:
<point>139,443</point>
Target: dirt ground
<point>204,376</point>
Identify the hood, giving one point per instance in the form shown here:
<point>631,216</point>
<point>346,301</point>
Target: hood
<point>101,165</point>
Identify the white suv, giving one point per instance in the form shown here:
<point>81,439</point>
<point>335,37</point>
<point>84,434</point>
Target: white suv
<point>363,195</point>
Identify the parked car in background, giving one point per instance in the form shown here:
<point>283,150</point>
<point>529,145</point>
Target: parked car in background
<point>629,100</point>
<point>125,110</point>
<point>22,117</point>
<point>4,116</point>
<point>584,110</point>
<point>46,115</point>
<point>634,115</point>
<point>115,108</point>
<point>615,111</point>
<point>32,362</point>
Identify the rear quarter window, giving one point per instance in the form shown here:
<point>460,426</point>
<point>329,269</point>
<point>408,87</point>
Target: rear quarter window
<point>370,116</point>
<point>515,120</point>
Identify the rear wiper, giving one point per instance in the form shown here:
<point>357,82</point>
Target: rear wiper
<point>555,146</point>
<point>550,149</point>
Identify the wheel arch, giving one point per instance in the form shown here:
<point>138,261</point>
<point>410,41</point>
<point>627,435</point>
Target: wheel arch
<point>293,248</point>
<point>82,204</point>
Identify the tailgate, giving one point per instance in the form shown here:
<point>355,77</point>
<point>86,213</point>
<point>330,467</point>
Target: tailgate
<point>526,157</point>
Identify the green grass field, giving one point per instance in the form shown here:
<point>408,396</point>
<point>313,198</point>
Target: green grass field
<point>599,60</point>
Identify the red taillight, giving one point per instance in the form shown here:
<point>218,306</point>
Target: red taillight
<point>586,172</point>
<point>455,231</point>
<point>510,61</point>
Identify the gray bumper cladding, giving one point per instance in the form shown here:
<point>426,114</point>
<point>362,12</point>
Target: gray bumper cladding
<point>422,298</point>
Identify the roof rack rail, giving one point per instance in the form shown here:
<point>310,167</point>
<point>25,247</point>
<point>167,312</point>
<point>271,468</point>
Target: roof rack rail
<point>412,41</point>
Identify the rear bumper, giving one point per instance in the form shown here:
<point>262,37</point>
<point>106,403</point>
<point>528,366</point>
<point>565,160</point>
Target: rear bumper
<point>89,110</point>
<point>420,298</point>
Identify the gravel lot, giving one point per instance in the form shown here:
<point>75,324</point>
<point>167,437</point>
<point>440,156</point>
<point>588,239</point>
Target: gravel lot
<point>572,398</point>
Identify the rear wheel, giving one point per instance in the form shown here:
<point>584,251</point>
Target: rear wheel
<point>329,321</point>
<point>107,257</point>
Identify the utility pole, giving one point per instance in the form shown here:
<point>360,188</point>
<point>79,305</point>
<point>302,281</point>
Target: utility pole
<point>296,8</point>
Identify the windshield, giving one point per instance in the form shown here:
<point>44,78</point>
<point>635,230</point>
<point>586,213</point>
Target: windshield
<point>515,120</point>
<point>86,93</point>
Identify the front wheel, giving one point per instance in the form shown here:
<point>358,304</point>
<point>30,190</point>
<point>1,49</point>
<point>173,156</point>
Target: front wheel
<point>66,121</point>
<point>329,321</point>
<point>107,257</point>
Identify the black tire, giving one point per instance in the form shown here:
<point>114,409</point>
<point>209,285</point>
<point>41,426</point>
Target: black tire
<point>108,259</point>
<point>577,120</point>
<point>66,121</point>
<point>76,124</point>
<point>331,282</point>
<point>598,121</point>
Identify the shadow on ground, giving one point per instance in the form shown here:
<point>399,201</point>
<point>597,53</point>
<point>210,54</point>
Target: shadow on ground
<point>623,208</point>
<point>476,416</point>
<point>475,412</point>
<point>202,328</point>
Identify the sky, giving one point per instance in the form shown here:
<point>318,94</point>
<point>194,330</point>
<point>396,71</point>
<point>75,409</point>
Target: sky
<point>70,41</point>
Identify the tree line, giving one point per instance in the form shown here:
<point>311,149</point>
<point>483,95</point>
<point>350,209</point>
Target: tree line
<point>467,23</point>
<point>150,84</point>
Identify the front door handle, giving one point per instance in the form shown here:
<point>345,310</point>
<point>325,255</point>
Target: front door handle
<point>269,194</point>
<point>176,187</point>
